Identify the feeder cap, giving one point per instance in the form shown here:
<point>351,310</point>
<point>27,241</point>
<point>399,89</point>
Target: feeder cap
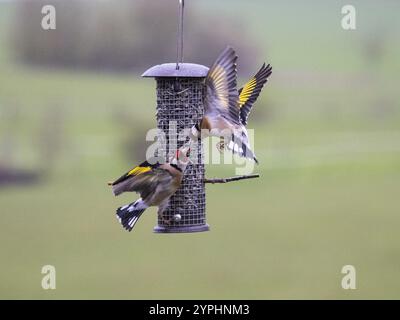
<point>168,70</point>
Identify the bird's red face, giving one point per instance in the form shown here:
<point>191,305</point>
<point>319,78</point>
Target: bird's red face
<point>182,155</point>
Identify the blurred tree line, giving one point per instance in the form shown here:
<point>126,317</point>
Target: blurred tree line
<point>125,35</point>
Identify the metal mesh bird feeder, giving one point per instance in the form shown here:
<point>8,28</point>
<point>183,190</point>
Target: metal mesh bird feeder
<point>180,94</point>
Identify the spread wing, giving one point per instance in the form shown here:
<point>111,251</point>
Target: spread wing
<point>143,179</point>
<point>251,90</point>
<point>221,97</point>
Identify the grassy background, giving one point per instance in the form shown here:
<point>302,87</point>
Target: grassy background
<point>327,137</point>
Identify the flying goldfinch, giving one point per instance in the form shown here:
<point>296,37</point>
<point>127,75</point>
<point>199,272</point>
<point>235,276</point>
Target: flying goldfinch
<point>155,183</point>
<point>226,109</point>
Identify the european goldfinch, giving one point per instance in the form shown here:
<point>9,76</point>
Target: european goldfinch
<point>156,183</point>
<point>226,109</point>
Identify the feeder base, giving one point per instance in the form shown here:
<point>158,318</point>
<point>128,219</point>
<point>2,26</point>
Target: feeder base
<point>159,229</point>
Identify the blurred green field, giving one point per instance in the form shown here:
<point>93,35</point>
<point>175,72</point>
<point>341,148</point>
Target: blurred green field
<point>327,136</point>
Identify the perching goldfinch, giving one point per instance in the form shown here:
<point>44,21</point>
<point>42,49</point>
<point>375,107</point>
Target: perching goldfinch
<point>226,109</point>
<point>156,183</point>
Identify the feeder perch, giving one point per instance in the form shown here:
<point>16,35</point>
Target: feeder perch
<point>180,94</point>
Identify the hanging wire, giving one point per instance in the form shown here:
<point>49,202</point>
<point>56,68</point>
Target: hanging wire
<point>179,42</point>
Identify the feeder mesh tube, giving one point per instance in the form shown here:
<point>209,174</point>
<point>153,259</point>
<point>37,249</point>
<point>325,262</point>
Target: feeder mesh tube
<point>180,102</point>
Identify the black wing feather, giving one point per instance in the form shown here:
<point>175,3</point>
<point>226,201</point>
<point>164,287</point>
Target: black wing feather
<point>250,92</point>
<point>128,175</point>
<point>221,86</point>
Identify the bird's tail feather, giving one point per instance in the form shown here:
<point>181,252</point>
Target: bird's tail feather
<point>128,215</point>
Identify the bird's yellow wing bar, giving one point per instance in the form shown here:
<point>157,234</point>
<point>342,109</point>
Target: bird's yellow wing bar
<point>251,90</point>
<point>247,91</point>
<point>222,95</point>
<point>138,170</point>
